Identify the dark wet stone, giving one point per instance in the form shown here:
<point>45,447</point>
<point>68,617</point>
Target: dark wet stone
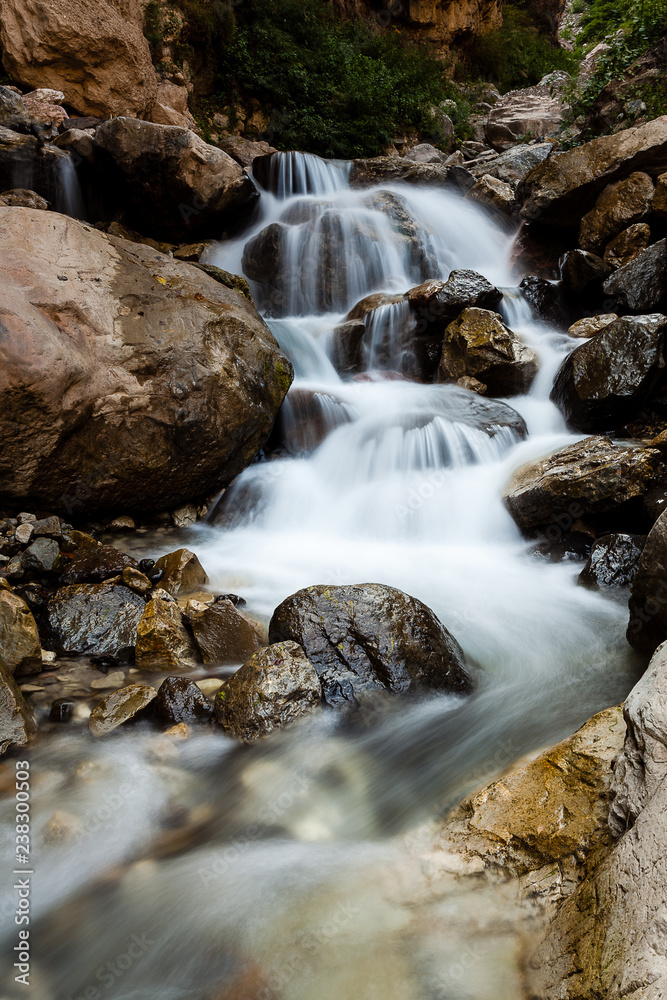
<point>93,565</point>
<point>613,562</point>
<point>61,710</point>
<point>180,700</point>
<point>94,618</point>
<point>42,556</point>
<point>545,298</point>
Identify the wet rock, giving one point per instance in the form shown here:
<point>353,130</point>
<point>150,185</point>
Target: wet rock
<point>582,272</point>
<point>308,417</point>
<point>13,112</point>
<point>393,169</point>
<point>163,642</point>
<point>23,198</point>
<point>61,710</point>
<point>627,245</point>
<point>119,707</point>
<point>95,618</point>
<point>17,722</point>
<point>347,349</point>
<point>659,205</point>
<point>604,383</point>
<point>276,686</point>
<point>222,634</point>
<point>640,285</point>
<point>135,580</point>
<point>592,476</point>
<point>545,298</point>
<point>619,206</point>
<point>131,327</point>
<point>181,571</point>
<point>20,649</point>
<point>175,183</point>
<point>493,194</point>
<point>180,700</point>
<point>560,190</point>
<point>479,345</point>
<point>647,627</point>
<point>43,556</point>
<point>368,638</point>
<point>438,302</point>
<point>613,562</point>
<point>95,564</point>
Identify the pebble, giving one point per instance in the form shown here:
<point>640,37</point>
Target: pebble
<point>48,656</point>
<point>113,680</point>
<point>24,518</point>
<point>23,533</point>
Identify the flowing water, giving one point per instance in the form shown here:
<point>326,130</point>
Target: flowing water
<point>291,869</point>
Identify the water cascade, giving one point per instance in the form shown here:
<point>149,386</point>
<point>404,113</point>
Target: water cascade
<point>294,881</point>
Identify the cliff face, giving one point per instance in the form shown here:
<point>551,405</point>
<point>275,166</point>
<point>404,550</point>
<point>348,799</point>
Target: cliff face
<point>438,22</point>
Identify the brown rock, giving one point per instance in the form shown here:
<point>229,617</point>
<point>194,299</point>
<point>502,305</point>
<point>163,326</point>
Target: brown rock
<point>98,372</point>
<point>627,245</point>
<point>119,707</point>
<point>494,194</point>
<point>223,635</point>
<point>532,111</point>
<point>22,198</point>
<point>478,344</point>
<point>163,642</point>
<point>182,572</point>
<point>95,564</point>
<point>95,53</point>
<point>17,722</point>
<point>620,205</point>
<point>136,580</point>
<point>244,151</point>
<point>590,325</point>
<point>659,205</point>
<point>20,649</point>
<point>641,285</point>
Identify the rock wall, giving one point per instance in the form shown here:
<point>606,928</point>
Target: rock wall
<point>438,22</point>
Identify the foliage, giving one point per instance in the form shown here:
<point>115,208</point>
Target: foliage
<point>334,87</point>
<point>515,55</point>
<point>636,18</point>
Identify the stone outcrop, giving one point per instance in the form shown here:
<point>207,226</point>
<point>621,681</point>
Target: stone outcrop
<point>95,53</point>
<point>565,186</point>
<point>117,363</point>
<point>438,22</point>
<point>533,111</point>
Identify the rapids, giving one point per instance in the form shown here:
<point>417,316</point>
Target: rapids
<point>292,869</point>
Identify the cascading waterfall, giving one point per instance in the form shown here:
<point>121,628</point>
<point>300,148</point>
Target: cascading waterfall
<point>290,884</point>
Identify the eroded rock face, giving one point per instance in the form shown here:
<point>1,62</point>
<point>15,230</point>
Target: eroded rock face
<point>175,183</point>
<point>620,205</point>
<point>589,477</point>
<point>95,53</point>
<point>479,345</point>
<point>117,363</point>
<point>273,688</point>
<point>641,285</point>
<point>95,618</point>
<point>647,627</point>
<point>367,638</point>
<point>562,188</point>
<point>604,383</point>
<point>613,562</point>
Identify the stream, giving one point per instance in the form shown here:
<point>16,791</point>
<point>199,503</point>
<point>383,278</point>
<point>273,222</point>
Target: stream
<point>302,867</point>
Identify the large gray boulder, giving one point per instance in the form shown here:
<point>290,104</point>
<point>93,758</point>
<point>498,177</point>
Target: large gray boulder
<point>640,285</point>
<point>118,365</point>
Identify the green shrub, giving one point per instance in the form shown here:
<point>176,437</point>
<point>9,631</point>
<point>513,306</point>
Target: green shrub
<point>515,55</point>
<point>333,87</point>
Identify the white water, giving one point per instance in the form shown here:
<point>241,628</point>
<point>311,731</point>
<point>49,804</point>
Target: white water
<point>301,837</point>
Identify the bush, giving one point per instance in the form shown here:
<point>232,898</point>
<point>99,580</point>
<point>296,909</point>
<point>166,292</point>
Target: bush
<point>333,87</point>
<point>515,55</point>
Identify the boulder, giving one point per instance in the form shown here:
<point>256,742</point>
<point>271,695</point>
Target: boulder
<point>627,245</point>
<point>222,634</point>
<point>514,164</point>
<point>276,686</point>
<point>582,272</point>
<point>532,111</point>
<point>368,638</point>
<point>13,111</point>
<point>175,184</point>
<point>493,194</point>
<point>592,476</point>
<point>244,151</point>
<point>347,347</point>
<point>95,54</point>
<point>119,707</point>
<point>24,163</point>
<point>647,627</point>
<point>181,572</point>
<point>640,285</point>
<point>659,205</point>
<point>613,562</point>
<point>545,298</point>
<point>117,364</point>
<point>23,198</point>
<point>479,345</point>
<point>180,700</point>
<point>17,722</point>
<point>97,618</point>
<point>605,382</point>
<point>307,417</point>
<point>438,302</point>
<point>42,556</point>
<point>617,207</point>
<point>94,565</point>
<point>163,643</point>
<point>394,169</point>
<point>20,649</point>
<point>424,152</point>
<point>560,190</point>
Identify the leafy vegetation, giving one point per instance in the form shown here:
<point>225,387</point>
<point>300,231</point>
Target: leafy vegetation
<point>516,54</point>
<point>333,87</point>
